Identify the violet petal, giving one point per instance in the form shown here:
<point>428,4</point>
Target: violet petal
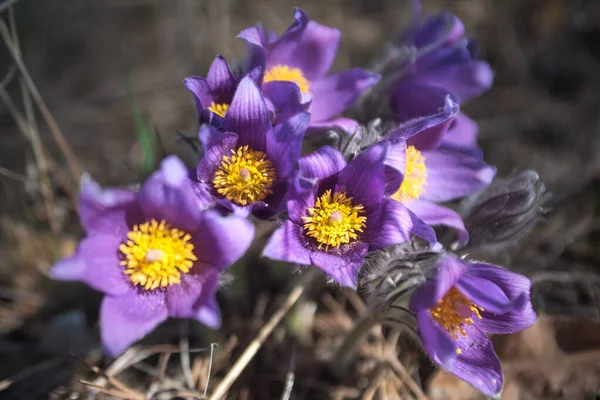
<point>517,287</point>
<point>288,243</point>
<point>334,93</point>
<point>391,224</point>
<point>436,340</point>
<point>449,271</point>
<point>248,115</point>
<point>106,211</point>
<point>220,241</point>
<point>323,163</point>
<point>477,363</point>
<point>221,80</point>
<point>434,214</point>
<point>452,174</point>
<point>363,178</point>
<point>485,294</point>
<point>192,293</point>
<point>284,143</point>
<point>168,195</point>
<point>306,45</point>
<point>342,263</point>
<point>126,319</point>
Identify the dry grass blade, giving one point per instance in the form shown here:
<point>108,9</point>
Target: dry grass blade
<point>406,378</point>
<point>210,362</point>
<point>8,4</point>
<point>12,175</point>
<point>42,164</point>
<point>56,132</point>
<point>116,393</point>
<point>184,347</point>
<point>258,341</point>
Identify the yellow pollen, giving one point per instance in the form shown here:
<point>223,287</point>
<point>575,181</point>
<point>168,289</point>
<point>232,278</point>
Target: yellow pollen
<point>454,312</point>
<point>415,177</point>
<point>219,109</point>
<point>285,73</point>
<point>334,220</point>
<point>245,177</point>
<point>155,255</point>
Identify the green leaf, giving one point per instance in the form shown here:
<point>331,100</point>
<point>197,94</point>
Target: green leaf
<point>143,130</point>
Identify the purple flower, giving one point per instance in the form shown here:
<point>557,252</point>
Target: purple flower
<point>338,212</point>
<point>459,306</point>
<point>155,254</point>
<point>436,159</point>
<point>214,93</point>
<point>302,56</point>
<point>443,63</point>
<point>246,167</point>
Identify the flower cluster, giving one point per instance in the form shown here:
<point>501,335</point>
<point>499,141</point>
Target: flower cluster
<point>158,252</point>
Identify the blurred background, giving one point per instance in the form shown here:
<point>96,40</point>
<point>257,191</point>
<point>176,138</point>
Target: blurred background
<point>110,73</point>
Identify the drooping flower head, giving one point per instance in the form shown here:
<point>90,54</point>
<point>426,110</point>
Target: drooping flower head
<point>436,159</point>
<point>246,167</point>
<point>443,63</point>
<point>459,306</point>
<point>338,212</point>
<point>155,253</point>
<point>302,56</point>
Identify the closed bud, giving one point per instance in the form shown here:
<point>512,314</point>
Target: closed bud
<point>505,210</point>
<point>389,276</point>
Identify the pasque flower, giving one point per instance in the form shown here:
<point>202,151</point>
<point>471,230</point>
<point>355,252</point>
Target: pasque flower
<point>443,63</point>
<point>247,165</point>
<point>302,56</point>
<point>459,305</point>
<point>215,93</point>
<point>338,212</point>
<point>155,253</point>
<point>435,159</point>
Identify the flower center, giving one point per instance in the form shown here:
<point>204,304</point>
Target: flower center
<point>219,109</point>
<point>334,220</point>
<point>454,312</point>
<point>245,177</point>
<point>285,73</point>
<point>415,177</point>
<point>155,255</point>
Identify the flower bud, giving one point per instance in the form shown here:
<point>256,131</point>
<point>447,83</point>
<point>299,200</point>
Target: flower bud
<point>505,210</point>
<point>389,275</point>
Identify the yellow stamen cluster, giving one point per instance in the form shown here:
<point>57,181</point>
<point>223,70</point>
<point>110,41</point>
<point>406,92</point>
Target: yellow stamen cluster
<point>155,255</point>
<point>285,73</point>
<point>415,177</point>
<point>454,312</point>
<point>219,109</point>
<point>334,220</point>
<point>245,177</point>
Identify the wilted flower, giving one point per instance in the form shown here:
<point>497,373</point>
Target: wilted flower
<point>505,210</point>
<point>246,167</point>
<point>338,212</point>
<point>154,253</point>
<point>303,55</point>
<point>443,63</point>
<point>433,162</point>
<point>460,304</point>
